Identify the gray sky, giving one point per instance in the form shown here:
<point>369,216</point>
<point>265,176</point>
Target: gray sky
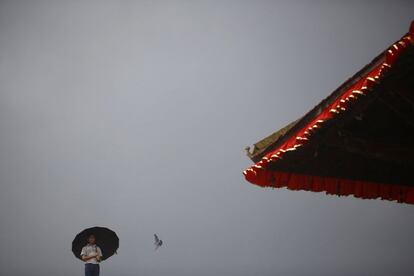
<point>134,115</point>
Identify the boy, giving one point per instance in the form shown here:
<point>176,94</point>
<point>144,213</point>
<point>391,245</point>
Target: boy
<point>91,254</point>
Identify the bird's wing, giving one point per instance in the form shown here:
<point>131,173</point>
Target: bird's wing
<point>156,238</point>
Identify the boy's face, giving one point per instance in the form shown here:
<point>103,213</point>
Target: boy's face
<point>91,239</point>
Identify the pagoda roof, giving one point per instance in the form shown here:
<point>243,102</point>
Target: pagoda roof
<point>358,141</point>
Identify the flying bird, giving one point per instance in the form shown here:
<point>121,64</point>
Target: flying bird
<point>157,242</point>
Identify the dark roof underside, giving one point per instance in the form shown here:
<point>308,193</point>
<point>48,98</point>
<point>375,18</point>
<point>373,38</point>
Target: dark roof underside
<point>372,142</point>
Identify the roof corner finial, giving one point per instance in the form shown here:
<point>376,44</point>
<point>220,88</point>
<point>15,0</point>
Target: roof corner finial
<point>248,153</point>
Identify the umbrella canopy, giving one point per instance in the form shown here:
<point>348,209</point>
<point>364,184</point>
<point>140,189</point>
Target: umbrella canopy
<point>358,141</point>
<point>106,239</point>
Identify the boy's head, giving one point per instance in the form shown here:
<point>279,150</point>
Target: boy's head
<point>91,239</point>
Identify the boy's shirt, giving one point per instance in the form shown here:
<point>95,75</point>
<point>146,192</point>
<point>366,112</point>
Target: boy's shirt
<point>91,250</point>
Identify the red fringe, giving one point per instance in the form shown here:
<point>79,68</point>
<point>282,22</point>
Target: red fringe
<point>331,185</point>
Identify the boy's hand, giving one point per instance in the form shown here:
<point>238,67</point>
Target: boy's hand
<point>93,255</point>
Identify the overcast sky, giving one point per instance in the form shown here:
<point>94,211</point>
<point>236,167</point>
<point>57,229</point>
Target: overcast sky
<point>134,115</point>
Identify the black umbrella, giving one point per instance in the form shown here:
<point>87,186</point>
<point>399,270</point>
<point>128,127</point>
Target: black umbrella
<point>106,239</point>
